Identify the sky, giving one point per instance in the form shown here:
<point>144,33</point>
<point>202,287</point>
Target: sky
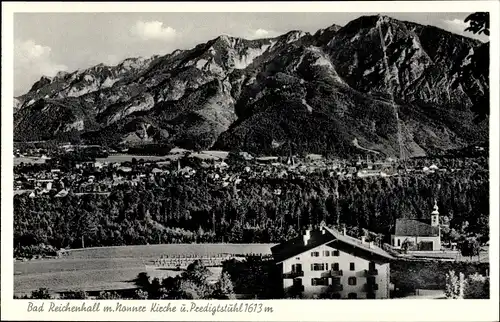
<point>45,43</point>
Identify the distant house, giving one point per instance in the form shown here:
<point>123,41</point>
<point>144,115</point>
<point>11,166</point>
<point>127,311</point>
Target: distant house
<point>314,157</point>
<point>221,165</point>
<point>267,160</point>
<point>368,173</point>
<point>156,171</point>
<point>326,263</point>
<point>124,169</point>
<point>62,193</point>
<point>421,235</point>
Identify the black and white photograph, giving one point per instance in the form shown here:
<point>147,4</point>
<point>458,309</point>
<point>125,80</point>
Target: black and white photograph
<point>251,155</point>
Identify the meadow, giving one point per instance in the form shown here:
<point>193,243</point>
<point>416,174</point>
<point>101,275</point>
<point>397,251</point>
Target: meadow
<point>28,160</point>
<point>128,158</point>
<point>104,268</point>
<point>203,155</point>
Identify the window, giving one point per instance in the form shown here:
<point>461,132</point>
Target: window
<point>326,253</point>
<point>336,253</point>
<point>317,267</point>
<point>296,267</point>
<point>335,267</point>
<point>399,242</point>
<point>371,266</point>
<point>352,267</point>
<point>351,280</point>
<point>314,254</point>
<point>335,280</point>
<point>319,281</point>
<point>352,296</point>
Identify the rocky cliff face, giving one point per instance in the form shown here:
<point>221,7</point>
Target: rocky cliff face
<point>321,93</point>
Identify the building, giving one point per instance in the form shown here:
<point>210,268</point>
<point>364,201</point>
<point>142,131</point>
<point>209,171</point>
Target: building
<point>414,234</point>
<point>326,263</point>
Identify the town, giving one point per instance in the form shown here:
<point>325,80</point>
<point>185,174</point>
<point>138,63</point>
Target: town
<point>37,173</point>
<point>358,253</point>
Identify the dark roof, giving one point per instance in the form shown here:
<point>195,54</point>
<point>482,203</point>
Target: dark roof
<point>296,245</point>
<point>332,238</point>
<point>412,227</point>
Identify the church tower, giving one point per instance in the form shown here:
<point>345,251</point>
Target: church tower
<point>435,215</point>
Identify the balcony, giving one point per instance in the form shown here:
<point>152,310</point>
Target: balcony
<point>332,273</point>
<point>371,287</point>
<point>371,272</point>
<point>293,274</point>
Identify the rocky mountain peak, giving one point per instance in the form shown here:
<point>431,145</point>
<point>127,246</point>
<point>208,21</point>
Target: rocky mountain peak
<point>43,81</point>
<point>319,92</point>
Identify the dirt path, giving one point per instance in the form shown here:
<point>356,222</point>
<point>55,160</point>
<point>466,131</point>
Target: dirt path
<point>356,144</point>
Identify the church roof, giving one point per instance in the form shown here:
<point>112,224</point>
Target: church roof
<point>412,227</point>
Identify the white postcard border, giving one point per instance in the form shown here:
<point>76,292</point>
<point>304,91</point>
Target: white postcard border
<point>284,310</point>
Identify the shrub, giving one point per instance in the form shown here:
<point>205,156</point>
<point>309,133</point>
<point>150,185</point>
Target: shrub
<point>454,285</point>
<point>41,294</point>
<point>477,287</point>
<point>74,295</point>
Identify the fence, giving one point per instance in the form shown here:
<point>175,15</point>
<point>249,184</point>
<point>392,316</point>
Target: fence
<point>182,262</point>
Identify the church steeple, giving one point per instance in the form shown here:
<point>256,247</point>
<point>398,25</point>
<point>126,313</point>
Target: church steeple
<point>435,215</point>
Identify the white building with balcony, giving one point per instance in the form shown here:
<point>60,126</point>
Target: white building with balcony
<point>326,263</point>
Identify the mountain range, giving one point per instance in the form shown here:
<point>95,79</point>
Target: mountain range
<point>339,91</point>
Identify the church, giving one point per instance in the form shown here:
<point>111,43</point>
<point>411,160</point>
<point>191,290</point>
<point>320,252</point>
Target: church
<point>417,234</point>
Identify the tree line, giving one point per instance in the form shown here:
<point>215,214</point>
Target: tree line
<point>196,209</point>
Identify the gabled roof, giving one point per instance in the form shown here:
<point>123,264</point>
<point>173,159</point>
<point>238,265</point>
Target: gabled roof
<point>333,238</point>
<point>296,245</point>
<point>412,227</point>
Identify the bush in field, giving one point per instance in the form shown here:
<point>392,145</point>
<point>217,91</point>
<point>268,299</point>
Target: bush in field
<point>477,287</point>
<point>141,295</point>
<point>455,285</point>
<point>191,284</point>
<point>108,296</point>
<point>74,295</point>
<point>224,287</point>
<point>41,294</point>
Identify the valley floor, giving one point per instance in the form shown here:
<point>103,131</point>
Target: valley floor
<point>108,268</point>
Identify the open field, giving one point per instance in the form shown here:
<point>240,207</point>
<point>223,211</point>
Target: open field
<point>452,256</point>
<point>204,155</point>
<point>103,268</point>
<point>29,160</point>
<point>128,157</point>
<point>155,251</point>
